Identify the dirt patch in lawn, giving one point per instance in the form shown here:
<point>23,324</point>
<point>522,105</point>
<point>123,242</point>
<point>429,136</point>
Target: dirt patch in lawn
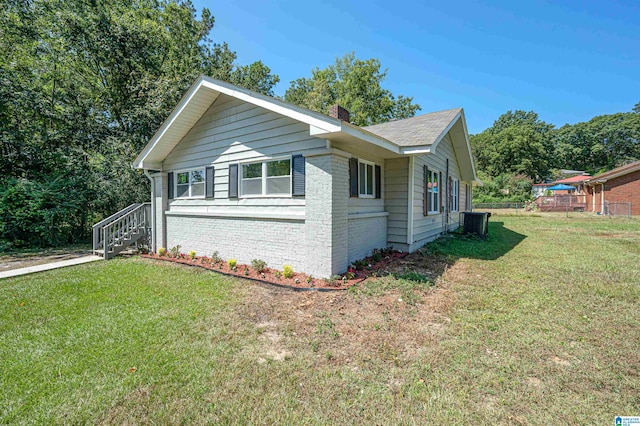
<point>352,327</point>
<point>10,261</point>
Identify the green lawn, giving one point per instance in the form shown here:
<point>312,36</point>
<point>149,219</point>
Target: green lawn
<point>538,325</point>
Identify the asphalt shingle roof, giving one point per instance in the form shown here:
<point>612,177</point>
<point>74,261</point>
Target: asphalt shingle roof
<point>421,130</point>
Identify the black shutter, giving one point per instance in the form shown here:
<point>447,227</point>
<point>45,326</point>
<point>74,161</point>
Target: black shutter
<point>425,204</point>
<point>209,176</point>
<point>170,184</point>
<point>297,175</point>
<point>450,192</point>
<point>233,181</point>
<point>353,177</point>
<point>378,181</point>
<point>440,192</point>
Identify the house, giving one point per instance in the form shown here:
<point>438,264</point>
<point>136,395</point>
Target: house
<point>538,189</point>
<point>559,200</point>
<point>251,176</point>
<point>576,181</point>
<point>616,191</point>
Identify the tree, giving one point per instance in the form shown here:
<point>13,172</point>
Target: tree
<point>636,108</point>
<point>602,143</point>
<point>354,84</point>
<point>517,143</point>
<point>83,85</point>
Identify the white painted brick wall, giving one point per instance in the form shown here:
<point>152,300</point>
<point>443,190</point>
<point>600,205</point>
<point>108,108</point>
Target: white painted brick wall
<point>161,187</point>
<point>326,227</point>
<point>340,210</point>
<point>277,242</point>
<point>366,234</point>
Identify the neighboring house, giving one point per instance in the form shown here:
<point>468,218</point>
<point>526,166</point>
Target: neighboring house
<point>619,187</point>
<point>576,181</point>
<point>538,189</point>
<point>570,199</point>
<point>251,176</point>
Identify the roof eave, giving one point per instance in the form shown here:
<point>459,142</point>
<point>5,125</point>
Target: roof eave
<point>315,120</point>
<point>357,132</point>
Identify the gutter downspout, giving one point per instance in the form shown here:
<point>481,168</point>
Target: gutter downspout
<point>602,198</point>
<point>153,210</point>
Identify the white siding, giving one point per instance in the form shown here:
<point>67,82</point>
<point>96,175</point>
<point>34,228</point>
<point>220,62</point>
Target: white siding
<point>230,131</point>
<point>426,228</point>
<point>396,183</point>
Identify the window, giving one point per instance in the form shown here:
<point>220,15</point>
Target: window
<point>190,184</point>
<point>455,192</point>
<point>266,178</point>
<point>365,169</point>
<point>433,197</point>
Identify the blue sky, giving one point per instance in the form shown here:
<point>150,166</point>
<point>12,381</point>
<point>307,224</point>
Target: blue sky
<point>566,60</point>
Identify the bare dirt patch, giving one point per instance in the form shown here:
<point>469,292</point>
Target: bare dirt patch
<point>352,327</point>
<point>12,261</point>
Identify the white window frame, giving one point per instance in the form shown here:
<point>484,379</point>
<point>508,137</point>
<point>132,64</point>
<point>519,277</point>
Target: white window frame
<point>189,196</point>
<point>455,190</point>
<point>264,178</point>
<point>372,184</point>
<point>433,195</point>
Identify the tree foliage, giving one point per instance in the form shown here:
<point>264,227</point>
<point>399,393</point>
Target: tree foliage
<point>83,85</point>
<point>520,144</point>
<point>600,144</point>
<point>517,143</point>
<point>354,84</point>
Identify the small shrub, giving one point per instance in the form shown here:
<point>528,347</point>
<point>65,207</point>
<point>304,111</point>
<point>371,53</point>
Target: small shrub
<point>334,280</point>
<point>162,251</point>
<point>287,271</point>
<point>277,274</point>
<point>258,265</point>
<point>246,271</point>
<point>192,254</point>
<point>350,275</point>
<point>377,255</point>
<point>360,264</point>
<point>232,263</point>
<point>215,258</point>
<point>175,251</point>
<point>309,279</point>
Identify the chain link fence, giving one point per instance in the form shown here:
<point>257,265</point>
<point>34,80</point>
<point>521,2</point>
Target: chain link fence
<point>609,209</point>
<point>617,209</point>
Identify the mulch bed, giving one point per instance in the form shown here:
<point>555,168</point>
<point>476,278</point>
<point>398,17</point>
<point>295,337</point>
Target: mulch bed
<point>299,281</point>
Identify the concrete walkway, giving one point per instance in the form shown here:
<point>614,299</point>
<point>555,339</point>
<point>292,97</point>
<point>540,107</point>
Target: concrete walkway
<point>48,266</point>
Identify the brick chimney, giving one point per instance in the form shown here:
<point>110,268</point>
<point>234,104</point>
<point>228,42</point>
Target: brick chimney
<point>336,111</point>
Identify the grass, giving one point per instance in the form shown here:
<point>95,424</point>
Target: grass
<point>537,325</point>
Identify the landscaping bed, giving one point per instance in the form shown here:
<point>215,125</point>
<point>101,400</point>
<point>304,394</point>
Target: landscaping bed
<point>376,265</point>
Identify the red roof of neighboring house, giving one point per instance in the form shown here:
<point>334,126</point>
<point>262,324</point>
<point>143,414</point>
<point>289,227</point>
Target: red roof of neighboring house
<point>574,179</point>
<point>623,170</point>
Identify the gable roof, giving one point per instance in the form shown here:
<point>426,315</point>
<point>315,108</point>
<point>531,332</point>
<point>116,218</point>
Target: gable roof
<point>574,179</point>
<point>427,129</point>
<point>416,135</point>
<point>620,171</point>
